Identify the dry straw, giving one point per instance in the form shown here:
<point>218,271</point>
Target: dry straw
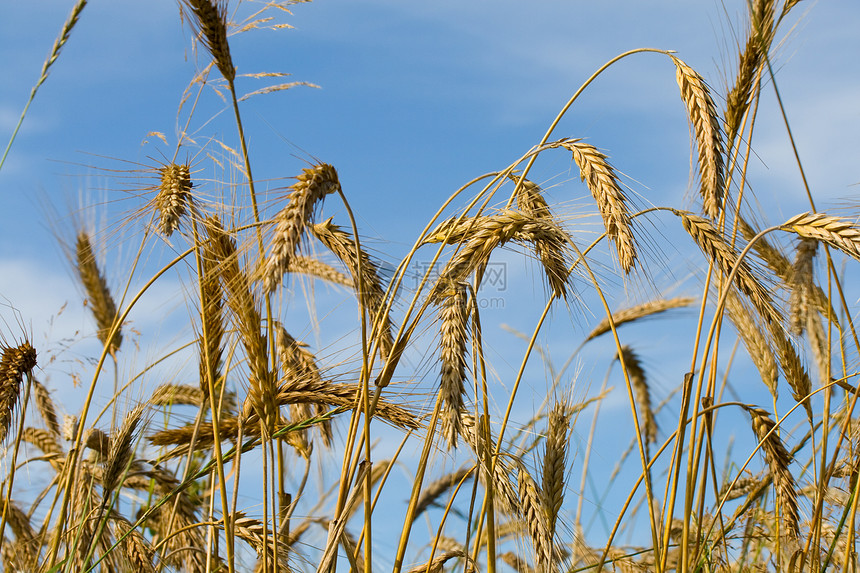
<point>706,129</point>
<point>101,302</point>
<point>601,180</point>
<point>311,187</point>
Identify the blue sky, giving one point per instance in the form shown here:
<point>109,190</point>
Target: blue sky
<point>415,99</point>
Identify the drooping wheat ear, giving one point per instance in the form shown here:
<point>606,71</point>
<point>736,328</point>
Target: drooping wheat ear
<point>178,394</point>
<point>839,233</point>
<point>529,197</point>
<point>781,267</point>
<point>758,42</point>
<point>554,459</point>
<point>101,302</point>
<point>647,421</point>
<point>491,232</point>
<point>97,441</point>
<point>516,562</point>
<point>299,364</point>
<point>311,187</point>
<point>15,363</point>
<point>755,342</point>
<point>453,326</point>
<point>777,458</point>
<point>792,367</point>
<point>706,129</point>
<point>506,493</point>
<point>121,449</point>
<point>712,243</point>
<point>639,311</point>
<point>601,180</point>
<point>42,439</point>
<point>368,283</point>
<point>315,268</point>
<point>244,307</point>
<point>173,197</point>
<point>26,545</point>
<point>743,486</point>
<point>535,520</point>
<point>210,22</point>
<point>819,344</point>
<point>438,562</point>
<point>138,552</point>
<point>434,490</point>
<point>212,324</point>
<point>46,407</point>
<point>801,285</point>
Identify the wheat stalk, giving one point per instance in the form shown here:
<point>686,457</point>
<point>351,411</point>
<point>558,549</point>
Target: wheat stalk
<point>453,325</point>
<point>839,233</point>
<point>633,313</point>
<point>173,197</point>
<point>601,180</point>
<point>311,186</point>
<point>706,129</point>
<point>14,364</point>
<point>101,302</point>
<point>210,22</point>
<point>777,458</point>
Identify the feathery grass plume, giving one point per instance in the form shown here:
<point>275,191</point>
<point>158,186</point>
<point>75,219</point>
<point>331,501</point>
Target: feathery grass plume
<point>777,458</point>
<point>173,197</point>
<point>121,449</point>
<point>493,231</point>
<point>434,490</point>
<point>648,422</point>
<point>314,268</point>
<point>46,407</point>
<point>299,365</point>
<point>241,301</point>
<point>101,302</point>
<point>752,57</point>
<point>368,284</point>
<point>781,267</point>
<point>555,453</point>
<point>755,341</point>
<point>15,363</point>
<point>601,180</point>
<point>801,285</point>
<point>530,198</point>
<point>311,187</point>
<point>453,326</point>
<point>535,520</point>
<point>706,129</point>
<point>792,367</point>
<point>712,243</point>
<point>210,22</point>
<point>643,310</point>
<point>836,232</point>
<point>212,324</point>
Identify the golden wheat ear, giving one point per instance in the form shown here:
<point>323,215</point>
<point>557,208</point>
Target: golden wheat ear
<point>173,198</point>
<point>16,362</point>
<point>100,300</point>
<point>209,18</point>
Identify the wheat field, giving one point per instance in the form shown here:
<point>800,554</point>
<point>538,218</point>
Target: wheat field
<point>328,404</point>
